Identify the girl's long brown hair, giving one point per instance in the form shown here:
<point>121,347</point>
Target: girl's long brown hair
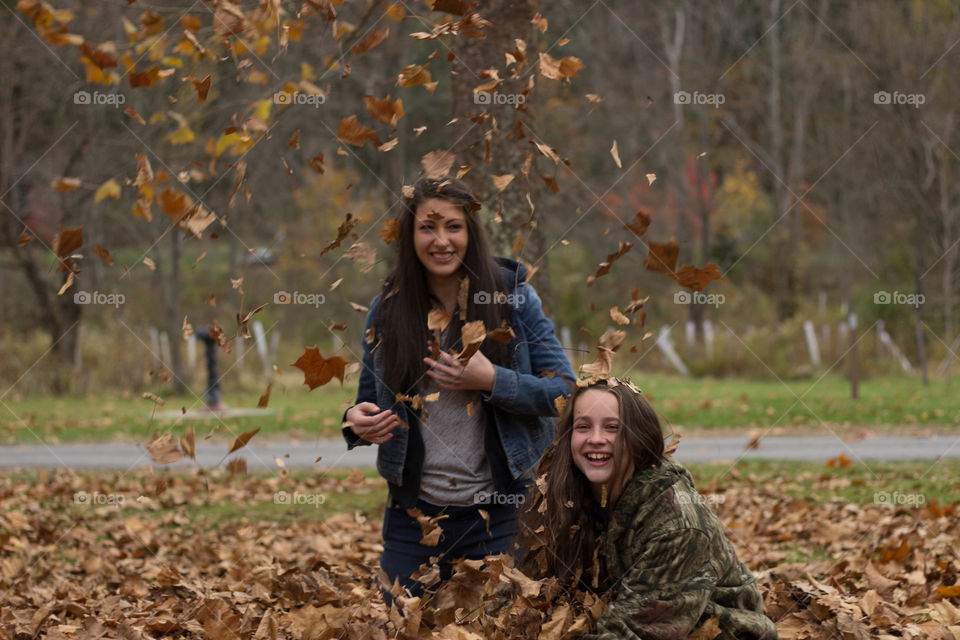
<point>559,515</point>
<point>405,299</point>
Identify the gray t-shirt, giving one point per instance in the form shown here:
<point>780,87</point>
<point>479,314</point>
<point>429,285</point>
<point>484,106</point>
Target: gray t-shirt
<point>455,465</point>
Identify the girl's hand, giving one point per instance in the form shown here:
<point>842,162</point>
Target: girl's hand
<point>477,373</point>
<point>370,423</point>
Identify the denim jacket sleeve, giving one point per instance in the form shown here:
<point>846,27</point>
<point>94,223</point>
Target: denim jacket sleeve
<point>524,390</point>
<point>367,387</point>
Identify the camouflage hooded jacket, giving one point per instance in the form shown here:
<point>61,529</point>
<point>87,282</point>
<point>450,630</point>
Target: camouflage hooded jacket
<point>670,566</point>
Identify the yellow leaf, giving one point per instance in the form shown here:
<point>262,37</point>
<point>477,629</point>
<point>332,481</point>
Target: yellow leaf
<point>183,135</point>
<point>109,189</point>
<point>262,110</point>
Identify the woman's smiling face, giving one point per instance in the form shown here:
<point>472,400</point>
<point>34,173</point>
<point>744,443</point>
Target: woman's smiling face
<point>440,237</point>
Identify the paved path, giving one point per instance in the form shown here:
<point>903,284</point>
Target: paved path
<point>333,453</point>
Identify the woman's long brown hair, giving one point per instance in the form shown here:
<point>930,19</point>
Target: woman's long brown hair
<point>405,299</point>
<point>560,513</point>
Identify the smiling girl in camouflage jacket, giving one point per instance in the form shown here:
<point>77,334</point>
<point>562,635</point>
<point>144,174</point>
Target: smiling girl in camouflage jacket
<point>613,514</point>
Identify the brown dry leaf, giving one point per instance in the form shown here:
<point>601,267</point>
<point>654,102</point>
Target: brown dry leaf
<point>102,253</point>
<point>539,22</point>
<point>318,370</point>
<point>352,132</point>
<point>24,238</point>
<point>242,440</point>
<point>188,443</point>
<point>501,182</point>
<point>608,345</point>
<point>385,110</point>
<point>708,630</point>
<point>294,142</point>
<point>840,462</point>
<point>640,223</point>
<point>164,449</point>
<point>64,185</point>
<point>615,154</point>
<point>697,279</point>
<point>133,115</point>
<point>265,398</point>
<point>618,317</point>
<point>472,334</point>
<point>437,320</point>
<point>662,257</point>
<point>390,230</point>
<point>202,87</point>
<point>68,240</point>
<point>437,164</point>
<point>342,232</point>
<point>604,267</point>
<point>372,39</point>
<point>237,466</point>
<point>413,75</point>
<point>503,333</point>
<point>562,69</point>
<point>429,527</point>
<point>671,447</point>
<point>357,307</point>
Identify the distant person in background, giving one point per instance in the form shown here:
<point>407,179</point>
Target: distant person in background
<point>211,395</point>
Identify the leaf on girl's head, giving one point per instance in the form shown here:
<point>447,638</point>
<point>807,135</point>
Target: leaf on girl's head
<point>437,164</point>
<point>697,279</point>
<point>608,345</point>
<point>604,267</point>
<point>242,440</point>
<point>352,132</point>
<point>317,370</point>
<point>663,257</point>
<point>640,223</point>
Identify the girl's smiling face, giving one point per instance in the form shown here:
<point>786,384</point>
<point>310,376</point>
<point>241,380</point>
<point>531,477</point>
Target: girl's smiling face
<point>440,237</point>
<point>596,425</point>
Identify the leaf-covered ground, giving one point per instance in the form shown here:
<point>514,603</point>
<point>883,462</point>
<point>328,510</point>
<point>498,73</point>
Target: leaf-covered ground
<point>206,554</point>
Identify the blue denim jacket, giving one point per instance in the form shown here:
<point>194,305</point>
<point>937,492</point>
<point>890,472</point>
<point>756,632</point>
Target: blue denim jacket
<point>519,427</point>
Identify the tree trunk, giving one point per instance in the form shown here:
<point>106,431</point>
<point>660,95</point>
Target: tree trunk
<point>493,136</point>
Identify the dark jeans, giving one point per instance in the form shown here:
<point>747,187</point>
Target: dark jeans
<point>212,393</point>
<point>464,536</point>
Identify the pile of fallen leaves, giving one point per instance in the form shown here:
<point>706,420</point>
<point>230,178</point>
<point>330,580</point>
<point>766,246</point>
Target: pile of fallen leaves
<point>138,555</point>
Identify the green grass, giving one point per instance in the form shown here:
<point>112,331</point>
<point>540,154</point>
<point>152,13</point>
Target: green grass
<point>860,483</point>
<point>694,404</point>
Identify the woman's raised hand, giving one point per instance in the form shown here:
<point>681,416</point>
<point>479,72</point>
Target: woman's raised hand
<point>370,423</point>
<point>476,374</point>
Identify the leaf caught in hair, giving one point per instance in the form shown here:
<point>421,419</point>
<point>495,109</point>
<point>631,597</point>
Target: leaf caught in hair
<point>608,345</point>
<point>318,370</point>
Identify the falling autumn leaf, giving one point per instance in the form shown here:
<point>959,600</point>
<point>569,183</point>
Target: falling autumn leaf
<point>102,253</point>
<point>604,267</point>
<point>562,69</point>
<point>242,440</point>
<point>352,132</point>
<point>65,184</point>
<point>318,370</point>
<point>641,220</point>
<point>109,189</point>
<point>662,257</point>
<point>437,164</point>
<point>697,279</point>
<point>615,155</point>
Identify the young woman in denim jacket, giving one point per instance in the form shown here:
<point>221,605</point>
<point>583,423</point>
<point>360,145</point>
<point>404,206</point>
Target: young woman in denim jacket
<point>472,451</point>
